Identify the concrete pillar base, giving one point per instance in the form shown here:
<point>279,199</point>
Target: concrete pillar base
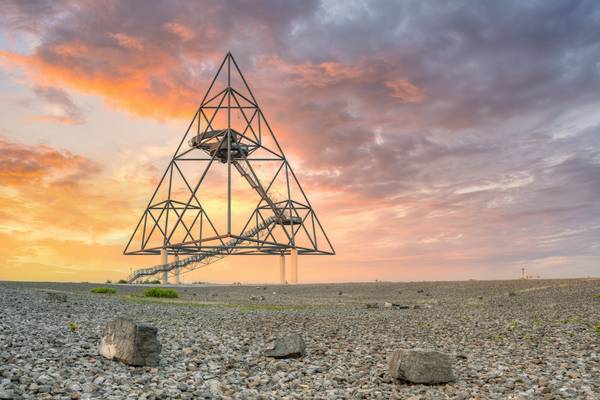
<point>164,259</point>
<point>294,271</point>
<point>177,276</point>
<point>282,269</point>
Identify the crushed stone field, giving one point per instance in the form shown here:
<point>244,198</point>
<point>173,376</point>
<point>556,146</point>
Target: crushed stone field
<point>519,339</point>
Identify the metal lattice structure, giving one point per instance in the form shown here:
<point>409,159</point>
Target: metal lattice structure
<point>228,189</point>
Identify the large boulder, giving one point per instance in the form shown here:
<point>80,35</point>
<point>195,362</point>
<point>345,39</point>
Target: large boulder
<point>288,346</point>
<point>130,342</point>
<point>421,366</point>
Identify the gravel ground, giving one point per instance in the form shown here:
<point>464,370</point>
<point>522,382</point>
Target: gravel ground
<point>535,339</point>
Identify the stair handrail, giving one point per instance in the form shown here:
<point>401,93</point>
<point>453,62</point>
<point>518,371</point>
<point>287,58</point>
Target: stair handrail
<point>199,257</point>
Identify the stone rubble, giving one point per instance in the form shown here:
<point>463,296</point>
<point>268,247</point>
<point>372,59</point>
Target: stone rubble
<point>540,344</point>
<point>54,296</point>
<point>395,306</point>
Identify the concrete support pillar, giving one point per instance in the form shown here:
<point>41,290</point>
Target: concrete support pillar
<point>177,277</point>
<point>294,272</point>
<point>164,259</point>
<point>282,269</point>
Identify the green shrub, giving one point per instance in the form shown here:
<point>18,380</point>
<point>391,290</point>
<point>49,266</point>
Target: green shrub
<point>160,292</point>
<point>597,296</point>
<point>571,320</point>
<point>122,281</point>
<point>108,281</point>
<point>496,338</point>
<point>104,290</point>
<point>72,326</point>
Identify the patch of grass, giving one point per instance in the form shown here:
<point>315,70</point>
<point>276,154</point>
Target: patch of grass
<point>103,290</point>
<point>513,324</point>
<point>265,307</point>
<point>424,325</point>
<point>572,320</point>
<point>240,307</point>
<point>597,296</point>
<point>169,301</point>
<point>597,329</point>
<point>153,282</point>
<point>122,281</point>
<point>72,326</point>
<point>497,338</point>
<point>427,301</point>
<point>533,289</point>
<point>160,292</point>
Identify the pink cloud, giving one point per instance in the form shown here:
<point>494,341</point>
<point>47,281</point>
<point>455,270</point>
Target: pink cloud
<point>56,119</point>
<point>180,30</point>
<point>127,41</point>
<point>405,91</point>
<point>308,73</point>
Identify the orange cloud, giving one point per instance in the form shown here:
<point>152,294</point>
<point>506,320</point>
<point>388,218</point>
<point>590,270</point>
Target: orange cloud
<point>22,165</point>
<point>55,259</point>
<point>405,91</point>
<point>143,88</point>
<point>52,193</point>
<point>62,217</point>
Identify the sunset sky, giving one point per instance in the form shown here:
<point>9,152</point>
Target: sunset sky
<point>436,140</point>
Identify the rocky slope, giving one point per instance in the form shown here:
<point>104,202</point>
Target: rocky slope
<point>509,339</point>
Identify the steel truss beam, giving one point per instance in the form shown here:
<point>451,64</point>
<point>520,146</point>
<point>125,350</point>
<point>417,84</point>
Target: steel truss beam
<point>174,218</point>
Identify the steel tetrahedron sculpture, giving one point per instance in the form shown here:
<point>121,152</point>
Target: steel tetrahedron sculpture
<point>228,190</point>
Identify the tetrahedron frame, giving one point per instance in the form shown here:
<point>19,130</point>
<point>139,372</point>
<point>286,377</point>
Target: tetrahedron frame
<point>230,144</point>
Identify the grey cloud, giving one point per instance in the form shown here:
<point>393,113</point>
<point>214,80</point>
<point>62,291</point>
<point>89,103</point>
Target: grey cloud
<point>498,79</point>
<point>60,98</point>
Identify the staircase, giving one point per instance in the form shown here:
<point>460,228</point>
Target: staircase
<point>205,258</point>
<point>272,200</point>
<point>255,184</point>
